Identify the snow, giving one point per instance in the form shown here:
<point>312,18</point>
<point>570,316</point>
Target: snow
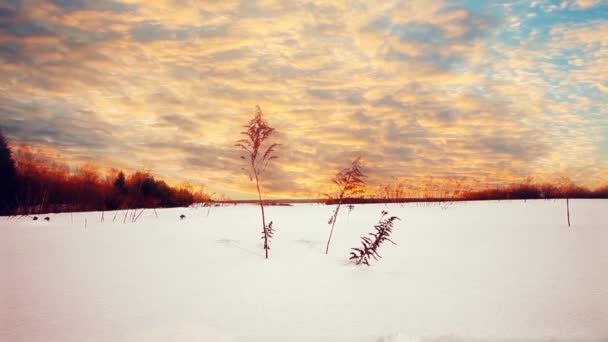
<point>470,271</point>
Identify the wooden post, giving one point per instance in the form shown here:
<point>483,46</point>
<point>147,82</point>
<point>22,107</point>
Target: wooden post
<point>568,210</point>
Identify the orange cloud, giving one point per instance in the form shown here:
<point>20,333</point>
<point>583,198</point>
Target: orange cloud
<point>417,88</point>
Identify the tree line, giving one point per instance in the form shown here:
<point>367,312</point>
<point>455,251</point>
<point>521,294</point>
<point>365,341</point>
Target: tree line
<point>449,190</point>
<point>32,185</point>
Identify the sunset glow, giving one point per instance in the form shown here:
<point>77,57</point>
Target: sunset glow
<point>485,91</point>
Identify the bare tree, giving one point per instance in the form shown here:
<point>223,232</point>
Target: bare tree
<point>258,154</point>
<point>349,182</point>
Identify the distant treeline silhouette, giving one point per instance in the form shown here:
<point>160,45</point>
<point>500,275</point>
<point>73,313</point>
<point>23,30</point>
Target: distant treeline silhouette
<point>536,191</point>
<point>517,191</point>
<point>31,185</point>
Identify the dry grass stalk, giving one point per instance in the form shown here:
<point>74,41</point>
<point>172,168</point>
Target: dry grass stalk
<point>258,154</point>
<point>349,182</point>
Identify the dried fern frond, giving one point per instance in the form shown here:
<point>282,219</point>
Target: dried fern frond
<point>369,246</point>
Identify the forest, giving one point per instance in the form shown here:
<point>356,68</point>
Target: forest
<point>33,185</point>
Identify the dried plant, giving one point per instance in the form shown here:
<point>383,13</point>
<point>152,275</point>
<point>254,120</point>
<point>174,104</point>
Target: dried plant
<point>258,155</point>
<point>349,182</point>
<point>267,234</point>
<point>370,246</point>
<point>350,207</point>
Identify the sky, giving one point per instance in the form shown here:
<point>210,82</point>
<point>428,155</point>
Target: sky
<point>495,91</point>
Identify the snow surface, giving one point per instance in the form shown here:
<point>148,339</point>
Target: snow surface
<point>474,271</point>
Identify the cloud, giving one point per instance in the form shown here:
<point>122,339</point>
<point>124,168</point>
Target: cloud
<point>587,3</point>
<point>418,88</point>
<point>146,32</point>
<point>57,125</point>
<point>93,5</point>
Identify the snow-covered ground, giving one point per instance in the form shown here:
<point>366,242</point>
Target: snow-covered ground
<point>477,271</point>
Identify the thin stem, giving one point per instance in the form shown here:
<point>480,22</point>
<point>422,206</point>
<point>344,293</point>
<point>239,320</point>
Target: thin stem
<point>333,220</point>
<point>257,185</point>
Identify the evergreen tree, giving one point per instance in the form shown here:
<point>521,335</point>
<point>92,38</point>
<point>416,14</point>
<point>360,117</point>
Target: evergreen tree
<point>120,183</point>
<point>8,179</point>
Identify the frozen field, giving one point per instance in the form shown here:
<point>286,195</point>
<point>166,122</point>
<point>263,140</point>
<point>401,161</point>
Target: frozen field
<point>477,271</point>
